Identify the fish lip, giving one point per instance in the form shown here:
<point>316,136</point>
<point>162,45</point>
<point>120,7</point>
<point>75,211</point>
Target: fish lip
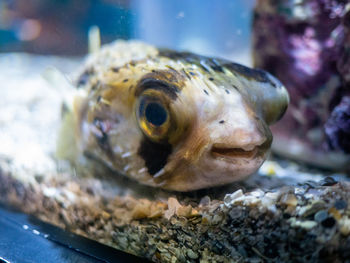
<point>233,153</point>
<point>219,151</point>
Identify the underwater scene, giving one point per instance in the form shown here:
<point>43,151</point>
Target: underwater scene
<point>174,131</point>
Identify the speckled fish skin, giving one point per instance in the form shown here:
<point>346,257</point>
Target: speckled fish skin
<point>175,120</point>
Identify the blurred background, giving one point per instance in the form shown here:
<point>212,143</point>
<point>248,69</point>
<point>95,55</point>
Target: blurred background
<point>60,27</point>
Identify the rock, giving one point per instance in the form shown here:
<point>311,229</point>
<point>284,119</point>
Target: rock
<point>289,200</point>
<point>337,127</point>
<point>306,45</point>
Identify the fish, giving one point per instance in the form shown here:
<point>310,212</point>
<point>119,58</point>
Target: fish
<point>173,119</point>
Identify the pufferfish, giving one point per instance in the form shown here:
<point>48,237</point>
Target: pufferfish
<point>174,120</point>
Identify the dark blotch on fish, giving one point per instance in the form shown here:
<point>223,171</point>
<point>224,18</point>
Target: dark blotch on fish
<point>167,81</point>
<point>257,74</point>
<point>96,85</point>
<point>101,136</point>
<point>167,88</point>
<point>154,154</point>
<point>216,65</point>
<point>84,77</point>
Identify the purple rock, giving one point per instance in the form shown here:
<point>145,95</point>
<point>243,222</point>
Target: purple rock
<point>306,44</point>
<point>344,59</point>
<point>338,126</point>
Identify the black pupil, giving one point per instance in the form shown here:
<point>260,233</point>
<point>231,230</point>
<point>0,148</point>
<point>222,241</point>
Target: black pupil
<point>155,114</point>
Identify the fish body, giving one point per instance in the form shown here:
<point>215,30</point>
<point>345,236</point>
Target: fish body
<point>174,120</point>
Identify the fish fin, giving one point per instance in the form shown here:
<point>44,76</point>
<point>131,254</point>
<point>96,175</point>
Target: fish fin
<point>66,148</point>
<point>56,78</point>
<point>94,39</point>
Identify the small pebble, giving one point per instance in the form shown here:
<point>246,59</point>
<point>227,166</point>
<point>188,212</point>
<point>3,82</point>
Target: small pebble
<point>229,198</point>
<point>335,213</point>
<point>289,199</point>
<point>191,254</point>
<point>184,211</point>
<point>257,193</point>
<point>312,208</point>
<point>205,201</point>
<point>321,216</point>
<point>345,226</point>
<point>105,215</point>
<point>307,224</point>
<point>340,204</point>
<point>328,181</point>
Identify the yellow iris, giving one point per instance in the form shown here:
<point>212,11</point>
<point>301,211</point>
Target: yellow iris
<point>153,115</point>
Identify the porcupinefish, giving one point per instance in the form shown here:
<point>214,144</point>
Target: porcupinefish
<point>174,120</point>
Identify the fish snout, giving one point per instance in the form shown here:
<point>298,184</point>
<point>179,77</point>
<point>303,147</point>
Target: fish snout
<point>242,145</point>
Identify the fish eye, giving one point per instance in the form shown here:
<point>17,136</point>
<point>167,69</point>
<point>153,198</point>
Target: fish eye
<point>155,113</point>
<point>153,117</point>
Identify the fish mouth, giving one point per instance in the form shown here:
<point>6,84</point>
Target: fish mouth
<point>226,152</point>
